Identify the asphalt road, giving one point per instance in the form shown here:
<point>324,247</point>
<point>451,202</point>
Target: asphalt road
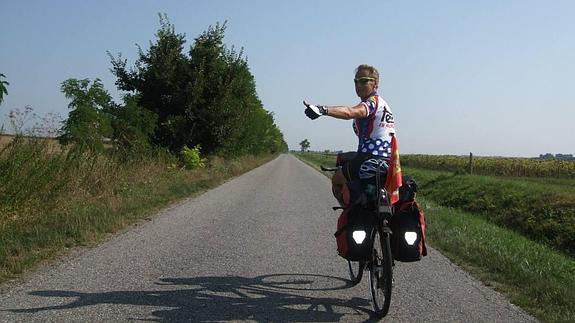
<point>258,248</point>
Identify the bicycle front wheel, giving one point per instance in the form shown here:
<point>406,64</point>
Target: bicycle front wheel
<point>355,271</point>
<point>381,273</point>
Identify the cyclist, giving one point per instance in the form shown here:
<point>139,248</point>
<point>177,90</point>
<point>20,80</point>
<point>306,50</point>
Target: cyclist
<point>372,123</point>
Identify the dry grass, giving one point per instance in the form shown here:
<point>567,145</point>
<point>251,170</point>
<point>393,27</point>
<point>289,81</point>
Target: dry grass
<point>50,201</point>
<point>51,145</point>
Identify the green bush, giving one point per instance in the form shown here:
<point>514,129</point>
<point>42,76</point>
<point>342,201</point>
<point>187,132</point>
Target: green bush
<point>192,158</point>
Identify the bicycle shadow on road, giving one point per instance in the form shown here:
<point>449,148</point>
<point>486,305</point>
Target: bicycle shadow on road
<point>277,297</point>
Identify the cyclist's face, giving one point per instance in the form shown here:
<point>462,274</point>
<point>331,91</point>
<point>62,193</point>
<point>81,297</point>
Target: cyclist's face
<point>364,84</point>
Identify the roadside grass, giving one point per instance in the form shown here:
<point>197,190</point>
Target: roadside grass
<point>533,275</point>
<point>542,211</point>
<point>53,202</point>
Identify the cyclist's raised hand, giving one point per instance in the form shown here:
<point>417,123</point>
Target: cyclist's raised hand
<point>314,111</point>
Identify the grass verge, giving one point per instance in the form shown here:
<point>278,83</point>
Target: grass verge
<point>53,203</point>
<point>542,211</point>
<point>534,276</point>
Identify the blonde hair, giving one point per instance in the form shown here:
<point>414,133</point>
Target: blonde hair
<point>372,71</point>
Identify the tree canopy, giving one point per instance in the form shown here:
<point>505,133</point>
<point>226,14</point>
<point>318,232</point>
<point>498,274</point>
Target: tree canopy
<point>304,145</point>
<point>204,97</point>
<point>87,124</point>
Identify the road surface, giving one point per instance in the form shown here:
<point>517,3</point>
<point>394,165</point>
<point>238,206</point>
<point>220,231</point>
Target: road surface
<point>258,248</point>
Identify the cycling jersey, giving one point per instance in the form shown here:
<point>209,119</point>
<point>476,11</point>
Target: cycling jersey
<point>374,131</point>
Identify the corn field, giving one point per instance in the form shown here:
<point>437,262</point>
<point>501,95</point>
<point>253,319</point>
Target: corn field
<point>499,166</point>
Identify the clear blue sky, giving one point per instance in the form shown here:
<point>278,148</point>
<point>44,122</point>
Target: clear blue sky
<point>488,77</point>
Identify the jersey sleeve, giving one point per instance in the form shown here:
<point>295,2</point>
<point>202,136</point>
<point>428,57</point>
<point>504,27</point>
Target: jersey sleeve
<point>370,106</point>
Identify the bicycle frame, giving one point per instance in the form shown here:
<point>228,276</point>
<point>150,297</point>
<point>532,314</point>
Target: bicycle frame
<point>380,268</point>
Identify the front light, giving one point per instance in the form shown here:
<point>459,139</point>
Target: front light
<point>410,237</point>
<point>358,236</point>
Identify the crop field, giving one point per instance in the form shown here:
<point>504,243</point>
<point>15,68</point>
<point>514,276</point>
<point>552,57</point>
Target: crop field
<point>52,145</point>
<point>495,166</point>
<point>498,166</point>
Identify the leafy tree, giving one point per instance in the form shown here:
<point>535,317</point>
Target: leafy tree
<point>88,122</point>
<point>133,126</point>
<point>206,98</point>
<point>227,108</point>
<point>304,145</point>
<point>3,90</point>
<point>160,79</point>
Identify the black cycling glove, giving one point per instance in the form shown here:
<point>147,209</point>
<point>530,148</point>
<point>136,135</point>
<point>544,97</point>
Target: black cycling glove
<point>315,111</point>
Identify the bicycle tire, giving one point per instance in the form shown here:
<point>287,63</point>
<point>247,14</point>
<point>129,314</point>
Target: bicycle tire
<point>355,271</point>
<point>381,273</point>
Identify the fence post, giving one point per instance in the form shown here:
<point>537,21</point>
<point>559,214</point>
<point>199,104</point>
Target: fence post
<point>470,163</point>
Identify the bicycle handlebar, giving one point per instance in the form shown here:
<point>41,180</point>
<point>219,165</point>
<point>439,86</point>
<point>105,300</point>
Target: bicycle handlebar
<point>328,169</point>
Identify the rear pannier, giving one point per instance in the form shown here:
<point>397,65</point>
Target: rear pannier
<point>408,237</point>
<point>408,225</point>
<point>354,226</point>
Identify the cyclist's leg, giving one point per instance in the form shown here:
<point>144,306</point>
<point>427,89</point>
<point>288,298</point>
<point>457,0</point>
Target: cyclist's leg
<point>337,182</point>
<point>347,172</point>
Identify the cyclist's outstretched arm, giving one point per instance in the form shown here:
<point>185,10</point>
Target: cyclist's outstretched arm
<point>339,112</point>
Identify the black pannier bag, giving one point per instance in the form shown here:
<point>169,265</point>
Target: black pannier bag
<point>354,226</point>
<point>408,225</point>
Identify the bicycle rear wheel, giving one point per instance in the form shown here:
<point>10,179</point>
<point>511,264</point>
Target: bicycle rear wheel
<point>355,271</point>
<point>381,273</point>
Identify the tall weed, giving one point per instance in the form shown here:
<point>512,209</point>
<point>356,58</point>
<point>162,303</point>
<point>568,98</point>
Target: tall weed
<point>31,178</point>
<point>54,200</point>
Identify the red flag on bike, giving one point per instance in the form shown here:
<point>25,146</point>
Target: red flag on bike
<point>393,181</point>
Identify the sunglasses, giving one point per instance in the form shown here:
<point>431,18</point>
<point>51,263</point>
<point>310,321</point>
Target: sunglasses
<point>363,80</point>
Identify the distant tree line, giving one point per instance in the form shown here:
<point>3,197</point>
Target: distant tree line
<point>205,97</point>
<point>549,156</point>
